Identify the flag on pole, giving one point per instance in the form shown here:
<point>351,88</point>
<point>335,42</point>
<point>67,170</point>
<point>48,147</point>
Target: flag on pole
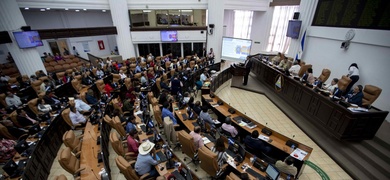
<point>300,51</point>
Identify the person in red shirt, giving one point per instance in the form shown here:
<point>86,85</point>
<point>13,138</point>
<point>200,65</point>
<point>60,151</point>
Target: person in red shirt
<point>132,142</point>
<point>108,88</point>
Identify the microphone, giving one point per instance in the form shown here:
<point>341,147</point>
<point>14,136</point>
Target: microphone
<point>91,135</point>
<point>94,173</point>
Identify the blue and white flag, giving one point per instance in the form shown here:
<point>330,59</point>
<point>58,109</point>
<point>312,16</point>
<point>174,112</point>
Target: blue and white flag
<point>300,51</point>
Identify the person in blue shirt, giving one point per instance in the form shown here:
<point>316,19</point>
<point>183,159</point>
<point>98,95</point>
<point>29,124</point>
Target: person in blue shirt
<point>145,162</point>
<point>90,98</point>
<point>138,69</point>
<point>165,112</point>
<point>131,124</point>
<point>355,96</point>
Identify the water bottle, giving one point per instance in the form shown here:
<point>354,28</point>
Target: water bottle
<point>288,177</point>
<point>292,148</point>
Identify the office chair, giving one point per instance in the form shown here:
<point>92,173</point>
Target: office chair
<point>304,69</point>
<point>83,95</point>
<point>69,162</point>
<point>60,177</point>
<point>2,100</point>
<point>324,75</point>
<point>14,118</point>
<point>65,115</point>
<point>370,94</point>
<point>158,84</point>
<point>118,126</point>
<point>157,115</point>
<point>232,176</point>
<point>117,145</point>
<point>343,83</point>
<point>100,85</point>
<point>33,106</point>
<point>70,140</point>
<point>267,158</point>
<point>188,147</point>
<point>126,168</point>
<point>5,133</point>
<point>76,83</point>
<point>116,78</point>
<point>209,163</point>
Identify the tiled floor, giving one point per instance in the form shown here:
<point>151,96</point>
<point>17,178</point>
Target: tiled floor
<point>260,108</point>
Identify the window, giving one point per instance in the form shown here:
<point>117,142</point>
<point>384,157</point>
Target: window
<point>139,18</point>
<point>278,41</point>
<point>174,48</point>
<point>145,49</point>
<point>187,49</point>
<point>198,48</point>
<point>242,24</point>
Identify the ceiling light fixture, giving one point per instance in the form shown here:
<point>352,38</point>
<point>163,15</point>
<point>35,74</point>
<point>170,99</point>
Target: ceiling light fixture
<point>103,10</point>
<point>48,8</point>
<point>43,9</point>
<point>77,10</point>
<point>66,9</point>
<point>26,8</point>
<point>84,9</point>
<point>146,11</point>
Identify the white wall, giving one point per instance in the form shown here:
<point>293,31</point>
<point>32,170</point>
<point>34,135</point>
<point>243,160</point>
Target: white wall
<point>155,37</point>
<point>93,45</point>
<point>261,25</point>
<point>228,23</point>
<point>66,19</point>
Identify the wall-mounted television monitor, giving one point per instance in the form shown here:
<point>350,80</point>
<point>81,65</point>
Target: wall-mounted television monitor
<point>4,37</point>
<point>28,39</point>
<point>294,27</point>
<point>234,49</point>
<point>168,36</point>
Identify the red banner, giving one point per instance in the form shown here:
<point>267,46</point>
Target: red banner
<point>101,44</point>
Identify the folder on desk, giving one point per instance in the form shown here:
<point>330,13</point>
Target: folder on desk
<point>185,117</point>
<point>209,100</point>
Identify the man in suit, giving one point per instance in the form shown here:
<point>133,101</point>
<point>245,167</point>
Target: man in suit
<point>248,66</point>
<point>355,96</point>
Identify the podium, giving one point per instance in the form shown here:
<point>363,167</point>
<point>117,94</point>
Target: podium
<point>238,72</point>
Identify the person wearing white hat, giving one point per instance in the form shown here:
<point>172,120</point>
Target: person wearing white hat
<point>145,162</point>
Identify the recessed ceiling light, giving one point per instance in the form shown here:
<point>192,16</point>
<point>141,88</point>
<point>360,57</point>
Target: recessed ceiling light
<point>43,9</point>
<point>84,9</point>
<point>103,10</point>
<point>77,10</point>
<point>26,8</point>
<point>66,9</point>
<point>48,8</point>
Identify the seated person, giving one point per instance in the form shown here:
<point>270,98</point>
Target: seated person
<point>128,105</point>
<point>50,98</point>
<point>7,150</point>
<point>89,96</point>
<point>287,166</point>
<point>229,128</point>
<point>255,143</point>
<point>355,96</point>
<point>197,107</point>
<point>165,112</point>
<point>108,88</point>
<point>42,107</point>
<point>144,81</point>
<point>76,117</point>
<point>132,142</point>
<point>308,76</point>
<point>186,97</point>
<point>331,87</point>
<point>191,103</point>
<point>86,79</point>
<point>205,116</point>
<point>45,86</point>
<point>163,97</point>
<point>219,149</point>
<point>283,63</point>
<point>276,60</point>
<point>23,119</point>
<point>198,141</point>
<point>80,105</point>
<point>131,124</point>
<point>12,100</point>
<point>198,84</point>
<point>14,131</point>
<point>164,85</point>
<point>145,162</point>
<point>294,70</point>
<point>122,74</point>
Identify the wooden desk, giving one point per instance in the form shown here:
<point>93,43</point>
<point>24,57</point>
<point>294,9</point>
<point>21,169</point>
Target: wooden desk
<point>335,119</point>
<point>89,152</point>
<point>278,140</point>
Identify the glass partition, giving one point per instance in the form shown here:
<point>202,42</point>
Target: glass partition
<point>154,18</point>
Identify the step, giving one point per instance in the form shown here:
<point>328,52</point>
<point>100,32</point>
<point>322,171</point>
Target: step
<point>378,149</point>
<point>382,135</point>
<point>371,160</point>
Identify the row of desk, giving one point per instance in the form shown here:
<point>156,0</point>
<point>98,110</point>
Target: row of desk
<point>320,110</point>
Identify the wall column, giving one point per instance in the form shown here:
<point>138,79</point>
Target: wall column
<point>215,13</point>
<point>120,19</point>
<point>11,19</point>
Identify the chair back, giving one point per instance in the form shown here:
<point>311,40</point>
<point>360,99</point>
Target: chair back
<point>4,133</point>
<point>370,94</point>
<point>61,177</point>
<point>187,142</point>
<point>68,161</point>
<point>116,78</point>
<point>157,114</point>
<point>167,65</point>
<point>2,100</point>
<point>76,83</point>
<point>65,115</point>
<point>118,126</point>
<point>343,83</point>
<point>83,95</point>
<point>116,144</point>
<point>70,140</point>
<point>208,160</point>
<point>125,168</point>
<point>324,75</point>
<point>33,105</point>
<point>128,83</point>
<point>36,85</point>
<point>109,120</point>
<point>232,176</point>
<point>158,83</point>
<point>14,119</point>
<point>304,69</point>
<point>100,85</point>
<point>173,72</point>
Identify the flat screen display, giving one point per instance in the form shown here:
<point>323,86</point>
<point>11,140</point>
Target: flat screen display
<point>168,36</point>
<point>294,27</point>
<point>28,39</point>
<point>234,49</point>
<point>272,172</point>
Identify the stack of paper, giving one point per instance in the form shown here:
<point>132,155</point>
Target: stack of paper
<point>205,140</point>
<point>299,154</point>
<point>264,138</point>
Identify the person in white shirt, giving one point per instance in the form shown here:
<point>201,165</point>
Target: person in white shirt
<point>80,105</point>
<point>44,86</point>
<point>76,117</point>
<point>12,100</point>
<point>4,78</point>
<point>211,56</point>
<point>203,76</point>
<point>294,70</point>
<point>330,87</point>
<point>123,75</point>
<point>42,107</point>
<point>353,73</point>
<point>144,81</point>
<point>99,73</point>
